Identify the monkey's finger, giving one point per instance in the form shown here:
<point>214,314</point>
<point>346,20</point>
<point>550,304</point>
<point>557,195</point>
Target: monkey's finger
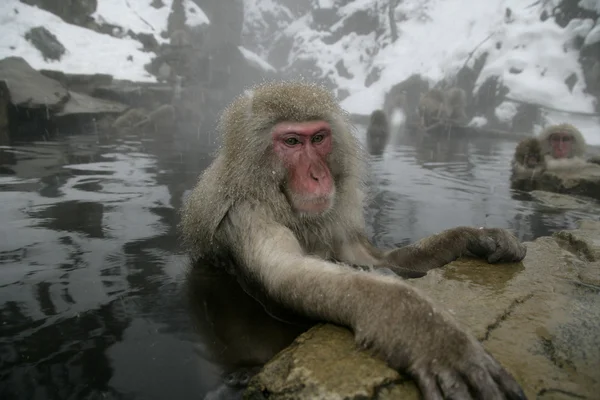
<point>507,382</point>
<point>428,385</point>
<point>452,386</point>
<point>482,384</point>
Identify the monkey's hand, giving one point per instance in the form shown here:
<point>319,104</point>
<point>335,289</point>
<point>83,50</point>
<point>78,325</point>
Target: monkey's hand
<point>445,361</point>
<point>495,245</point>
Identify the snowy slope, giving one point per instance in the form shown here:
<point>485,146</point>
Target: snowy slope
<point>439,47</point>
<point>532,57</point>
<point>88,51</point>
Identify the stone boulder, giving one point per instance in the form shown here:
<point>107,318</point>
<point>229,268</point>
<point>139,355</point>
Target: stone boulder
<point>539,318</point>
<point>28,88</point>
<point>581,180</point>
<point>46,42</point>
<point>76,12</point>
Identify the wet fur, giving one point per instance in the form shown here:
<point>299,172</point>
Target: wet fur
<point>238,217</point>
<point>378,132</point>
<point>576,160</point>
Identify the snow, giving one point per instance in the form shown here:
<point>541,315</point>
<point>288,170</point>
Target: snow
<point>592,5</point>
<point>256,60</point>
<point>436,44</point>
<point>533,58</point>
<point>593,36</point>
<point>89,52</point>
<point>141,17</point>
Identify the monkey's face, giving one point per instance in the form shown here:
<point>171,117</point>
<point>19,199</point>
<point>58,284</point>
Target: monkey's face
<point>303,147</point>
<point>532,160</point>
<point>561,144</point>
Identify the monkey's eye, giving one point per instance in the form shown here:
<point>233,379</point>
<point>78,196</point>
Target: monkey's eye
<point>318,138</point>
<point>291,141</point>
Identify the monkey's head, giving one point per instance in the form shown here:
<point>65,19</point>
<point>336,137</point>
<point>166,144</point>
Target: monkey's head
<point>290,139</point>
<point>529,153</point>
<point>378,117</point>
<point>562,141</point>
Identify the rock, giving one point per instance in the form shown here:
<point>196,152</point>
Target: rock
<point>312,368</point>
<point>583,180</point>
<point>136,94</point>
<point>554,201</point>
<point>30,89</point>
<point>4,102</point>
<point>80,103</point>
<point>81,83</point>
<point>43,40</point>
<point>76,12</point>
<point>539,318</point>
<point>130,119</point>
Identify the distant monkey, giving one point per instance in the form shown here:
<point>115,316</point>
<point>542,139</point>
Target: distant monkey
<point>378,132</point>
<point>455,100</point>
<point>280,208</point>
<point>180,38</point>
<point>443,106</point>
<point>432,107</point>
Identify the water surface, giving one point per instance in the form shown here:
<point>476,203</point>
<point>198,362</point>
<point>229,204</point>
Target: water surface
<point>91,303</point>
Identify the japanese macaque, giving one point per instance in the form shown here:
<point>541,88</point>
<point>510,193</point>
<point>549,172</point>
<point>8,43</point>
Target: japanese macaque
<point>527,163</point>
<point>280,208</point>
<point>455,100</point>
<point>562,146</point>
<point>432,107</point>
<point>528,155</point>
<point>180,38</point>
<point>378,132</point>
<point>443,106</point>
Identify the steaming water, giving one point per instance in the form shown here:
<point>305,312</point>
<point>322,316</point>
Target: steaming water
<point>91,302</point>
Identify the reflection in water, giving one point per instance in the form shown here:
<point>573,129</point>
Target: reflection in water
<point>91,278</point>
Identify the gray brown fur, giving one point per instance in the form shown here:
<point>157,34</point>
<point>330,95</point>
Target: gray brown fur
<point>378,132</point>
<point>528,154</point>
<point>443,106</point>
<point>579,146</point>
<point>238,215</point>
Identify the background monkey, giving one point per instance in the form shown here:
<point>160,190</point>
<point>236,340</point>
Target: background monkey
<point>443,106</point>
<point>281,209</point>
<point>527,163</point>
<point>455,100</point>
<point>432,107</point>
<point>378,132</point>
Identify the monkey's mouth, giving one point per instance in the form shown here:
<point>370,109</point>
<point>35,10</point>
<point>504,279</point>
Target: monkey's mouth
<point>313,205</point>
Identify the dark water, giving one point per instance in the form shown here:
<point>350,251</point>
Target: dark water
<point>91,277</point>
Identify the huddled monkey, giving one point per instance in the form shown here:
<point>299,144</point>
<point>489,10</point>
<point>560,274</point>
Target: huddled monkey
<point>378,132</point>
<point>443,107</point>
<point>455,100</point>
<point>528,163</point>
<point>528,155</point>
<point>431,107</point>
<point>280,208</point>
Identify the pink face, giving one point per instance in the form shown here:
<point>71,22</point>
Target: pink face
<point>562,145</point>
<point>303,147</point>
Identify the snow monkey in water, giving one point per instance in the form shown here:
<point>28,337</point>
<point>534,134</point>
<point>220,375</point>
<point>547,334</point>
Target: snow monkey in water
<point>443,106</point>
<point>281,207</point>
<point>378,132</point>
<point>563,146</point>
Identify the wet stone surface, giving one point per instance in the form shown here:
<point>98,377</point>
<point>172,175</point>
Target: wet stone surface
<point>91,275</point>
<point>539,318</point>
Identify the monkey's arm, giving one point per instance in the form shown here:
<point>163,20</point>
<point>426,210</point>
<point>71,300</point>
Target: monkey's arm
<point>385,313</point>
<point>495,245</point>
